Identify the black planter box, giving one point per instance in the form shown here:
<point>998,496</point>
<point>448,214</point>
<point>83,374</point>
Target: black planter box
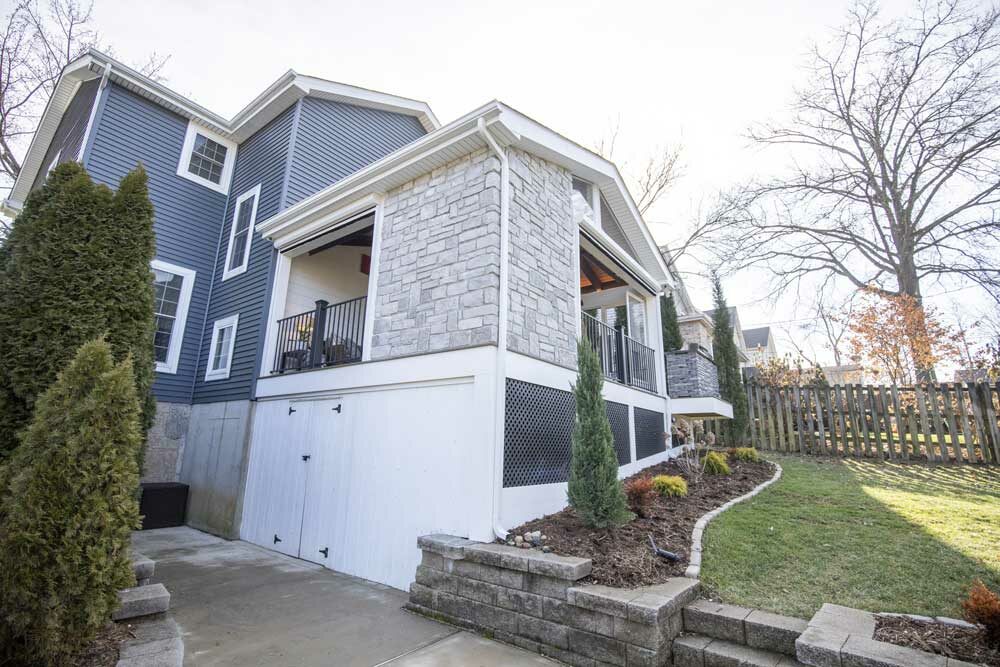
<point>163,504</point>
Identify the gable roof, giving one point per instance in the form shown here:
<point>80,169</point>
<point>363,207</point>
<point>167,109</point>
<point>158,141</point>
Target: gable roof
<point>277,97</point>
<point>758,337</point>
<point>465,135</point>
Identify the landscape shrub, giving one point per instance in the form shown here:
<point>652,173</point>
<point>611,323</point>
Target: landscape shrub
<point>748,454</point>
<point>67,516</point>
<point>640,493</point>
<point>594,490</point>
<point>983,606</point>
<point>715,464</point>
<point>75,266</point>
<point>670,485</point>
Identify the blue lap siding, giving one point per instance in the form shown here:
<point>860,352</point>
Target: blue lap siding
<point>187,216</point>
<point>67,142</point>
<point>261,159</point>
<point>334,140</point>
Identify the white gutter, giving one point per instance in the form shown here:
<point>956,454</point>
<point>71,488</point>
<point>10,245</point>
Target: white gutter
<point>499,404</point>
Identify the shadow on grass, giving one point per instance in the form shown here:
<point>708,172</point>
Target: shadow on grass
<point>877,536</point>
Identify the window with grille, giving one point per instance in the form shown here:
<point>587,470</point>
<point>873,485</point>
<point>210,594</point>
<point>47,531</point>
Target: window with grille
<point>207,158</point>
<point>241,233</point>
<point>172,287</point>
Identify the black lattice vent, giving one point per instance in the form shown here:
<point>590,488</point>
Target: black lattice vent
<point>537,434</point>
<point>618,416</point>
<point>648,433</point>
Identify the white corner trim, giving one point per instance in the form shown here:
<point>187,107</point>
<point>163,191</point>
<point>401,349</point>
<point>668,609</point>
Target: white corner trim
<point>193,129</point>
<point>180,317</point>
<point>368,333</point>
<point>228,273</point>
<point>693,570</point>
<point>218,326</point>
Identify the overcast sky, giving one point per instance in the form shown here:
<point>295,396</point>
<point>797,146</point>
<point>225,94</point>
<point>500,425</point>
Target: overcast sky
<point>693,73</point>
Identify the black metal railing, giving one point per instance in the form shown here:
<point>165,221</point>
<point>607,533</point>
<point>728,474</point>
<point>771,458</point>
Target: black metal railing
<point>328,335</point>
<point>623,359</point>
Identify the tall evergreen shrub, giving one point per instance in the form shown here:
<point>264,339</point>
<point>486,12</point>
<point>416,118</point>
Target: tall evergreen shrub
<point>68,513</point>
<point>672,339</point>
<point>594,490</point>
<point>75,266</point>
<point>728,363</point>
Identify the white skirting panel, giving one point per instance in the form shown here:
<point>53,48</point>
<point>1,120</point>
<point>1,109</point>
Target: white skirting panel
<point>399,459</point>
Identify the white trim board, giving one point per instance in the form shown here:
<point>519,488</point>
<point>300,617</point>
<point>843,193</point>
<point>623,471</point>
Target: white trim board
<point>228,272</point>
<point>180,316</point>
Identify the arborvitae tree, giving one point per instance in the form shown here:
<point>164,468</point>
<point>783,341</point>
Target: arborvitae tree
<point>594,490</point>
<point>672,339</point>
<point>76,266</point>
<point>68,511</point>
<point>728,363</point>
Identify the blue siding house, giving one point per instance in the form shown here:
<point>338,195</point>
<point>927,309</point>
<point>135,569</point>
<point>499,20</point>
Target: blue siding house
<point>367,323</point>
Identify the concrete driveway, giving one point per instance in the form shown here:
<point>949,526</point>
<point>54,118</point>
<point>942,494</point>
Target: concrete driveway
<point>239,604</point>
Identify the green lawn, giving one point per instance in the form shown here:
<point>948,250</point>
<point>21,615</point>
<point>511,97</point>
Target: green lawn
<point>876,536</point>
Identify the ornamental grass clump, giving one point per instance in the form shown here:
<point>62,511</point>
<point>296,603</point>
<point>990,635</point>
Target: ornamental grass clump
<point>715,464</point>
<point>68,510</point>
<point>670,485</point>
<point>748,454</point>
<point>594,490</point>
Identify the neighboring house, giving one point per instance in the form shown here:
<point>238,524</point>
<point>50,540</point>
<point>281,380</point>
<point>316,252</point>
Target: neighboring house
<point>367,322</point>
<point>759,344</point>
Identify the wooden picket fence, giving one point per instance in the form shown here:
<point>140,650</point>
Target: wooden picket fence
<point>954,422</point>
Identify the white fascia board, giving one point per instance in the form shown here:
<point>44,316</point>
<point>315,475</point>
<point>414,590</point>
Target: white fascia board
<point>701,407</point>
<point>324,206</point>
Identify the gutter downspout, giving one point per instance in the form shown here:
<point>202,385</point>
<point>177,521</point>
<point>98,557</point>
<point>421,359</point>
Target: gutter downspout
<point>499,403</point>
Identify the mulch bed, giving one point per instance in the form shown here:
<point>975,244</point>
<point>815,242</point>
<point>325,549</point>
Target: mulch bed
<point>953,642</point>
<point>622,556</point>
<point>103,651</point>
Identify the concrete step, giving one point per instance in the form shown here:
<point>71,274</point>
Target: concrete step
<point>143,568</point>
<point>142,601</point>
<point>701,651</point>
<point>155,641</point>
<point>750,627</point>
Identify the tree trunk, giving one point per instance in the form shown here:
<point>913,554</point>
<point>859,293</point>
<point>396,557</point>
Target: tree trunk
<point>909,284</point>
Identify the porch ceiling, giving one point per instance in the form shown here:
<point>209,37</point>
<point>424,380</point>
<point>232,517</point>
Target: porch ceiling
<point>595,276</point>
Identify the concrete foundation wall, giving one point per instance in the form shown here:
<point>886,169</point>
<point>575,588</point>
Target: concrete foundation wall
<point>214,465</point>
<point>165,442</point>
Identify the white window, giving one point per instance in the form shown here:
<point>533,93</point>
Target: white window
<point>220,353</point>
<point>636,319</point>
<point>241,233</point>
<point>172,287</point>
<point>54,163</point>
<point>207,158</point>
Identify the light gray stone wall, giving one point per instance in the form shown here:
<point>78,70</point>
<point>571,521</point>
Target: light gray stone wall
<point>543,241</point>
<point>165,442</point>
<point>439,264</point>
<point>215,464</point>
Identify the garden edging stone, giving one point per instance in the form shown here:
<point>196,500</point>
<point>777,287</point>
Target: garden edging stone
<point>693,570</point>
<point>534,600</point>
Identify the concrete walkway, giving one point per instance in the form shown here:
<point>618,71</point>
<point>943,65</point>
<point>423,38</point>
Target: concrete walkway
<point>239,604</point>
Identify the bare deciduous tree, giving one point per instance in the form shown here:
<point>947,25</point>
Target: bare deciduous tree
<point>896,143</point>
<point>35,44</point>
<point>660,170</point>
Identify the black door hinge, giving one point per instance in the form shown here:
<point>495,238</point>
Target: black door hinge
<point>306,457</point>
<point>276,538</point>
<point>325,551</point>
<point>290,409</point>
<point>336,409</point>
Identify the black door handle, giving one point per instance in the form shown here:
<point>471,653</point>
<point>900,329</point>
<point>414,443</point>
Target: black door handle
<point>336,409</point>
<point>276,538</point>
<point>325,551</point>
<point>306,457</point>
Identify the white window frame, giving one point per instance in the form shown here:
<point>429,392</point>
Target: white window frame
<point>221,373</point>
<point>228,273</point>
<point>227,168</point>
<point>53,163</point>
<point>180,317</point>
